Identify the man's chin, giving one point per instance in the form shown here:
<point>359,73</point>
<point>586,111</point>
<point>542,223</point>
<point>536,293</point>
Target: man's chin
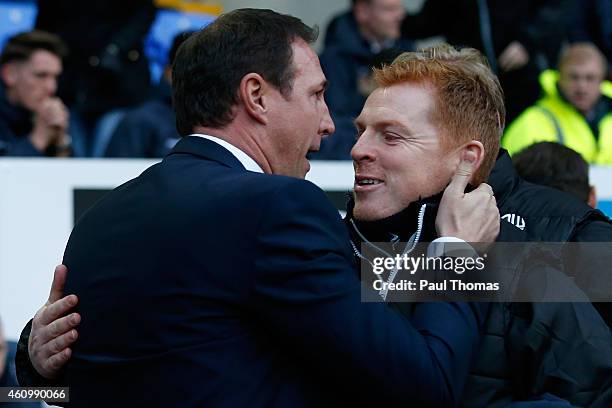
<point>365,212</point>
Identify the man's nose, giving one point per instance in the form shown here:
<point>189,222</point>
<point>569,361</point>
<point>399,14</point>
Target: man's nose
<point>327,126</point>
<point>363,148</point>
<point>51,86</point>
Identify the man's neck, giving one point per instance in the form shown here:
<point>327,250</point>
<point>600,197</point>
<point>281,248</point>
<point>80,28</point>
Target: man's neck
<point>240,138</point>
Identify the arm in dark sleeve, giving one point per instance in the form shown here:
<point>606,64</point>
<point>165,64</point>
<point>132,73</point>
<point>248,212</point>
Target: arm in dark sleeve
<point>307,292</point>
<point>26,373</point>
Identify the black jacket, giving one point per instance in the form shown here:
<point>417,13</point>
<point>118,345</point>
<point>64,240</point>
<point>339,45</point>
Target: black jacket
<point>15,127</point>
<point>529,349</point>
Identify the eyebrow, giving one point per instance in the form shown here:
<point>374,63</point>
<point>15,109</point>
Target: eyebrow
<point>385,123</point>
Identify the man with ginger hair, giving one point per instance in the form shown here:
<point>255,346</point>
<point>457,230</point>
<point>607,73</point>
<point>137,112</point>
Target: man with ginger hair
<point>429,105</point>
<point>575,111</point>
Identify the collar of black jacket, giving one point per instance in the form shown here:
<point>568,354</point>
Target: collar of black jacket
<point>503,178</point>
<point>399,226</point>
<point>207,149</point>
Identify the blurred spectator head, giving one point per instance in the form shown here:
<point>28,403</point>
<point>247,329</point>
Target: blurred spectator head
<point>469,98</point>
<point>582,69</point>
<point>555,165</point>
<point>30,65</point>
<point>179,39</point>
<point>379,19</point>
<point>211,64</point>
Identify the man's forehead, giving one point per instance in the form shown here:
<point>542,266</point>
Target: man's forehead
<point>584,66</point>
<point>306,62</point>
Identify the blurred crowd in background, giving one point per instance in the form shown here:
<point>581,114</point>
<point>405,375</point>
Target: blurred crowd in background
<point>80,84</point>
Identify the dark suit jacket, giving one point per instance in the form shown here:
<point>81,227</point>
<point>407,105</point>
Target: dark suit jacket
<point>204,285</point>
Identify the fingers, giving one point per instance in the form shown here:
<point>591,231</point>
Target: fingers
<point>485,188</point>
<point>462,175</point>
<point>59,344</point>
<point>54,364</point>
<point>56,310</point>
<point>57,286</point>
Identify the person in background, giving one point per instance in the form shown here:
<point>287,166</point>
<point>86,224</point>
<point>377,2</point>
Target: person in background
<point>520,38</point>
<point>149,130</point>
<point>107,70</point>
<point>557,166</point>
<point>575,110</point>
<point>592,22</point>
<point>352,42</point>
<point>33,120</point>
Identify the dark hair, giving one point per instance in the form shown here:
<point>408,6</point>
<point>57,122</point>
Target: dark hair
<point>554,165</point>
<point>178,40</point>
<point>20,47</point>
<point>211,63</point>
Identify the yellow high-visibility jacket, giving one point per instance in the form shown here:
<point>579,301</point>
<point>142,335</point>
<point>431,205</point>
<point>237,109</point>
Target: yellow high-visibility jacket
<point>552,119</point>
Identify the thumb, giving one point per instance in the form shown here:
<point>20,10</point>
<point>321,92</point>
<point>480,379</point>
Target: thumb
<point>463,174</point>
<point>57,286</point>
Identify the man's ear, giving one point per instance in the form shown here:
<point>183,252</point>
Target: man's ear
<point>592,200</point>
<point>252,90</point>
<point>8,73</point>
<point>473,152</point>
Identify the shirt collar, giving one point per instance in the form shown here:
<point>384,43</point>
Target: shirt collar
<point>243,158</point>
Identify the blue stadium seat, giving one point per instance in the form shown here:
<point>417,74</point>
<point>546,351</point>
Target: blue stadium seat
<point>16,16</point>
<point>606,207</point>
<point>168,23</point>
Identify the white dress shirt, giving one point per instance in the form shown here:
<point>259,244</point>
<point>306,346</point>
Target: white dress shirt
<point>245,159</point>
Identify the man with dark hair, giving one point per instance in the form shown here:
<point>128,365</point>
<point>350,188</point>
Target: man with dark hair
<point>206,281</point>
<point>149,130</point>
<point>557,166</point>
<point>33,121</point>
